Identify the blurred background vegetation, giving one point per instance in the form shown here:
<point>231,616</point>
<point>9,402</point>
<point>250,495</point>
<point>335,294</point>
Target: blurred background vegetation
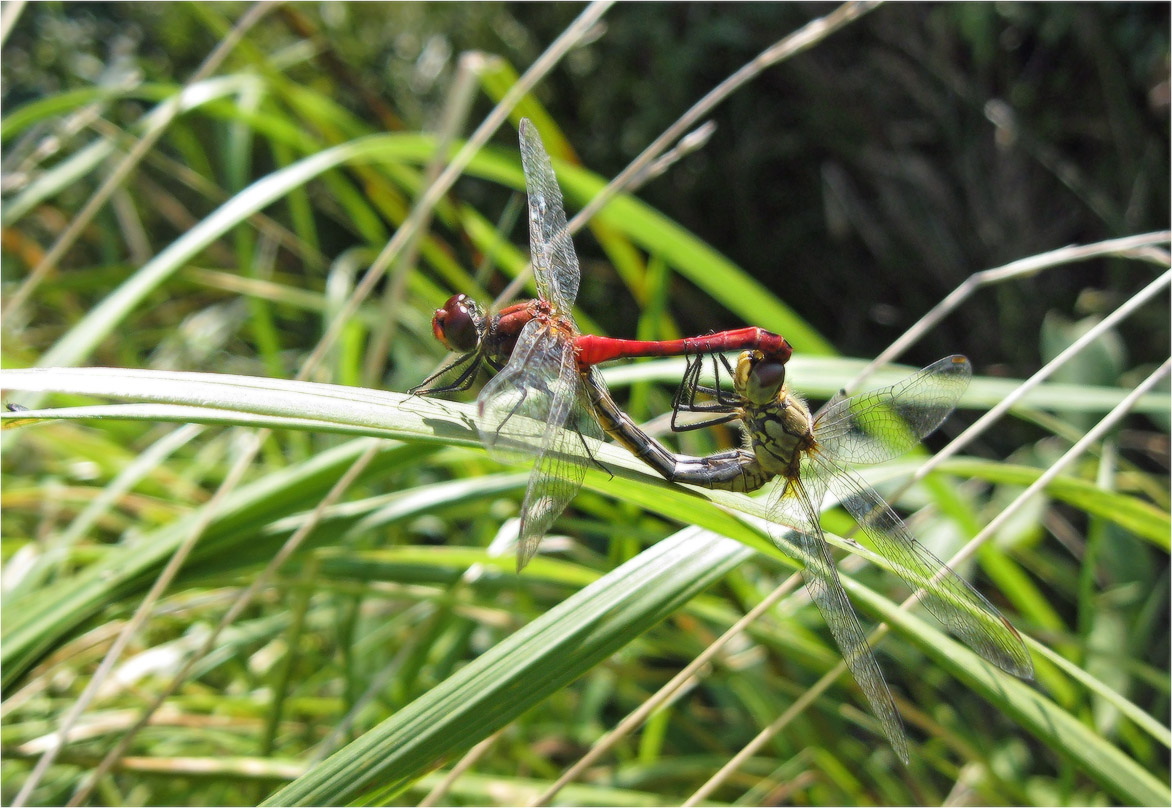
<point>872,157</point>
<point>859,183</point>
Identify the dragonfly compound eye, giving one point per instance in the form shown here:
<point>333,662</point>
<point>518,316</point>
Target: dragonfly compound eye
<point>458,324</point>
<point>759,378</point>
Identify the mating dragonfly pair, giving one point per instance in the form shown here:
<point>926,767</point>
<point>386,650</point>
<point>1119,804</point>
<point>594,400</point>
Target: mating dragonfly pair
<point>547,401</point>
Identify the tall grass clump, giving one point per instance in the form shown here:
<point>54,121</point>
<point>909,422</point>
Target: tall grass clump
<point>241,566</point>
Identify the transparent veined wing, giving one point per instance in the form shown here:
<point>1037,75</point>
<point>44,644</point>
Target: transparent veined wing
<point>532,409</point>
<point>515,405</point>
<point>963,610</point>
<point>555,264</point>
<point>880,425</point>
<point>795,503</point>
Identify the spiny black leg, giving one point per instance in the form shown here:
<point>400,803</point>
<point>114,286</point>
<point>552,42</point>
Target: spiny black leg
<point>513,411</point>
<point>717,421</point>
<point>678,403</point>
<point>724,398</point>
<point>703,388</point>
<point>685,400</point>
<point>590,454</point>
<point>685,396</point>
<point>463,381</point>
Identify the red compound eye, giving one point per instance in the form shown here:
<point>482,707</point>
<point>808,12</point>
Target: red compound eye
<point>458,324</point>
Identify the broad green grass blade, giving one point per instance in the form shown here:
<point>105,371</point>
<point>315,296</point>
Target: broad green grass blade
<point>1055,727</point>
<point>641,223</point>
<point>1141,518</point>
<point>40,620</point>
<point>97,155</point>
<point>520,671</point>
<point>389,750</point>
<point>331,408</point>
<point>74,346</point>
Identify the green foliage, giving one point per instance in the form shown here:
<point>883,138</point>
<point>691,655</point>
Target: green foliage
<point>859,182</point>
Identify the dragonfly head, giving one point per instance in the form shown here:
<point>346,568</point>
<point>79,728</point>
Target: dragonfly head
<point>759,377</point>
<point>458,324</point>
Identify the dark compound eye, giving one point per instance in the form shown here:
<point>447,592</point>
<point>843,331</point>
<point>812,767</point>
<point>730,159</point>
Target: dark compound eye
<point>458,324</point>
<point>759,378</point>
<point>769,374</point>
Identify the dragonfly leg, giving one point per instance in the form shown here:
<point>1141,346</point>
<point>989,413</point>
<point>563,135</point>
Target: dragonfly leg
<point>723,397</point>
<point>690,388</point>
<point>724,400</point>
<point>682,427</point>
<point>463,381</point>
<point>685,396</point>
<point>513,410</point>
<point>687,385</point>
<point>590,454</point>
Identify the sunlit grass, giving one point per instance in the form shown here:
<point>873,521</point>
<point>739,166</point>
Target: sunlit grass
<point>397,636</point>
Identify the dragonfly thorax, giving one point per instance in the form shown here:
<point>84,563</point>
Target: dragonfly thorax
<point>778,423</point>
<point>779,432</point>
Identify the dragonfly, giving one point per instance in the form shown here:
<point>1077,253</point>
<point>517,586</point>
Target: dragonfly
<point>809,455</point>
<point>547,400</point>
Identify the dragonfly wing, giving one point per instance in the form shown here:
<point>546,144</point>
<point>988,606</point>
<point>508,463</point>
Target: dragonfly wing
<point>561,467</point>
<point>962,609</point>
<point>514,406</point>
<point>880,425</point>
<point>524,412</point>
<point>795,503</point>
<point>555,264</point>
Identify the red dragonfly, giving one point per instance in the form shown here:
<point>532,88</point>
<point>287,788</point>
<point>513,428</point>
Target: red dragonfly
<point>462,326</point>
<point>807,453</point>
<point>547,398</point>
